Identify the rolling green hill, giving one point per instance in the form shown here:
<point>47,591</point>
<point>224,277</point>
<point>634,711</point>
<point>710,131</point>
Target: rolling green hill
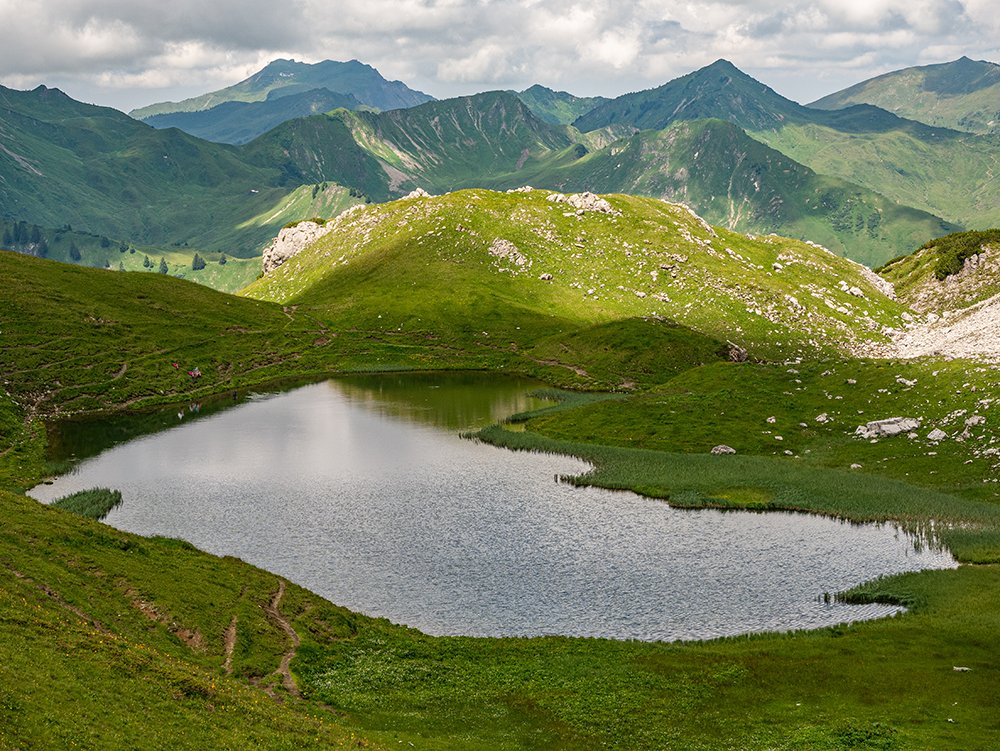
<point>282,78</point>
<point>93,168</point>
<point>557,107</point>
<point>493,140</point>
<point>736,182</point>
<point>509,271</point>
<point>963,95</point>
<point>105,174</point>
<point>241,122</point>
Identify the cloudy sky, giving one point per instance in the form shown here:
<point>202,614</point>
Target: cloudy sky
<point>129,53</point>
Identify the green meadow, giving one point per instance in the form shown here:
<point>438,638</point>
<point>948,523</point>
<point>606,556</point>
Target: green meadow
<point>111,640</point>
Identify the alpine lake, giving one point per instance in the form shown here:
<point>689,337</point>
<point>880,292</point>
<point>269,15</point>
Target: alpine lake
<point>361,489</point>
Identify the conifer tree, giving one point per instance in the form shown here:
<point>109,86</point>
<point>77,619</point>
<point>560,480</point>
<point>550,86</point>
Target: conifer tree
<point>74,252</point>
<point>163,266</point>
<point>198,263</point>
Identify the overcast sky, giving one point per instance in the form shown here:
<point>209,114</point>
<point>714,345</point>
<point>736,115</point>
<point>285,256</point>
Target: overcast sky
<point>129,53</point>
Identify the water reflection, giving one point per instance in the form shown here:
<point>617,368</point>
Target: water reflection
<point>360,490</point>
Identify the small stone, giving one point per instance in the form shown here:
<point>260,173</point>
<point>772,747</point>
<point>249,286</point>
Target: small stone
<point>772,419</point>
<point>723,449</point>
<point>855,466</point>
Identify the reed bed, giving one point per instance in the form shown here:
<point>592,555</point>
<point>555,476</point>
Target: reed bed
<point>95,503</point>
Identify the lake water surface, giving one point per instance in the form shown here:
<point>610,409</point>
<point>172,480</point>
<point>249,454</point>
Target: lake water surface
<point>361,490</point>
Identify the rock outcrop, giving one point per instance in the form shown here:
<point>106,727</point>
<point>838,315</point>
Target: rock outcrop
<point>290,242</point>
<point>723,449</point>
<point>887,428</point>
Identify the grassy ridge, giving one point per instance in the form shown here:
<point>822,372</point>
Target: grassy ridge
<point>434,268</point>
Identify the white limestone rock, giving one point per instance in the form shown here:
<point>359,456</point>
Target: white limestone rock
<point>290,242</point>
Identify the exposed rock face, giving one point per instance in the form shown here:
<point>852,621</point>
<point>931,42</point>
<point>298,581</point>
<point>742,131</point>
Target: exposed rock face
<point>290,242</point>
<point>887,428</point>
<point>977,279</point>
<point>723,449</point>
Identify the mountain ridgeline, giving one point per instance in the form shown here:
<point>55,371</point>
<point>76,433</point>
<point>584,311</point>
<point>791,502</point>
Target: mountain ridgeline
<point>241,122</point>
<point>283,78</point>
<point>861,181</point>
<point>963,95</point>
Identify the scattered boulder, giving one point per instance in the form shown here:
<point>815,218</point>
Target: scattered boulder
<point>418,193</point>
<point>290,242</point>
<point>887,428</point>
<point>723,449</point>
<point>822,418</point>
<point>937,435</point>
<point>557,198</point>
<point>546,277</point>
<point>772,419</point>
<point>590,202</point>
<point>505,249</point>
<point>855,466</point>
<point>736,353</point>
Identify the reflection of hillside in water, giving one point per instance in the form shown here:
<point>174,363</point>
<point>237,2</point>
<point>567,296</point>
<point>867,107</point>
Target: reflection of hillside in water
<point>451,401</point>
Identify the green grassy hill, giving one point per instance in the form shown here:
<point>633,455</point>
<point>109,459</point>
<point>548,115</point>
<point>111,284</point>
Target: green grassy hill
<point>66,163</point>
<point>941,171</point>
<point>493,140</point>
<point>557,107</point>
<point>281,78</point>
<point>474,266</point>
<point>963,95</point>
<point>105,174</point>
<point>736,182</point>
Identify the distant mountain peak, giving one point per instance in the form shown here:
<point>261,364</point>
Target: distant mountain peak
<point>963,94</point>
<point>720,90</point>
<point>290,77</point>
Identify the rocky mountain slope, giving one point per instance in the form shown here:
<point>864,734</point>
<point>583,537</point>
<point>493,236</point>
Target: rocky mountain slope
<point>958,303</point>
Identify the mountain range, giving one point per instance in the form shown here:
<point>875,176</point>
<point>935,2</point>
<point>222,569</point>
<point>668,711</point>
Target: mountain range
<point>862,181</point>
<point>963,94</point>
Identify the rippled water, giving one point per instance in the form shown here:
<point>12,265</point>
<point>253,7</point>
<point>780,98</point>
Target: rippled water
<point>360,490</point>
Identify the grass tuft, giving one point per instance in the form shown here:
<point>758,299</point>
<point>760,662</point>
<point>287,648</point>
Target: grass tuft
<point>95,503</point>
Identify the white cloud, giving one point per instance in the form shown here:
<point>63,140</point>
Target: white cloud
<point>447,47</point>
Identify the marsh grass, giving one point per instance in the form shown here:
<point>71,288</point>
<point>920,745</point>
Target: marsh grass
<point>95,503</point>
